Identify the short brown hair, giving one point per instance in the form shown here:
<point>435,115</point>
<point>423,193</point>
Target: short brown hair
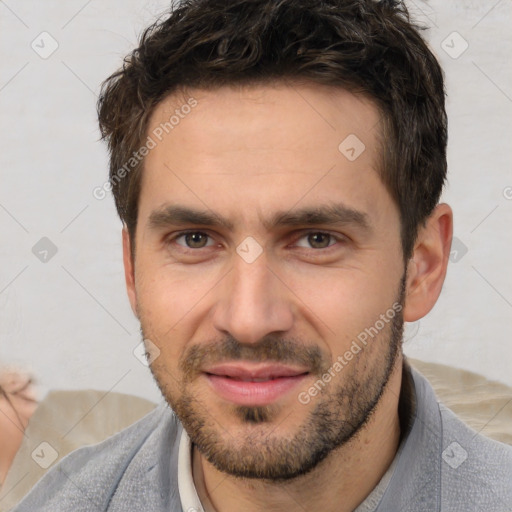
<point>364,46</point>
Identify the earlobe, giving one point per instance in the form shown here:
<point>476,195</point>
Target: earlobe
<point>426,270</point>
<point>129,270</point>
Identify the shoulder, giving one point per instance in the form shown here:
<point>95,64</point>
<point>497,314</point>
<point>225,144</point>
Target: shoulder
<point>64,421</point>
<point>469,472</point>
<point>89,479</point>
<point>476,471</point>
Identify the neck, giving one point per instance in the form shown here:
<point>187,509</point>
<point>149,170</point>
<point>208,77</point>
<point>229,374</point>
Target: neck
<point>339,483</point>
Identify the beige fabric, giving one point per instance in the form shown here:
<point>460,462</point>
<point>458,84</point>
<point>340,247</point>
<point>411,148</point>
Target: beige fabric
<point>66,420</point>
<point>70,419</point>
<point>484,405</point>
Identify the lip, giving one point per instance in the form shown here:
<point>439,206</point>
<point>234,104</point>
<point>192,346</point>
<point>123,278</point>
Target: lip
<point>254,384</point>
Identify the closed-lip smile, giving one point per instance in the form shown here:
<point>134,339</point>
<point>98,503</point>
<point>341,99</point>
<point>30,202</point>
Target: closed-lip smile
<point>248,383</point>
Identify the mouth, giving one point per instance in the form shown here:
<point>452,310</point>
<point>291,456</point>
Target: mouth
<point>254,384</point>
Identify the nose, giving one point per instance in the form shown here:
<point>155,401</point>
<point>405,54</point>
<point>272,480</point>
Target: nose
<point>253,302</point>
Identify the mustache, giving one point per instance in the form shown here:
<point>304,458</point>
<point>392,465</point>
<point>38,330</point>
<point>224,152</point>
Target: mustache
<point>269,348</point>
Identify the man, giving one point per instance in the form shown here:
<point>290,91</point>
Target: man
<point>278,166</point>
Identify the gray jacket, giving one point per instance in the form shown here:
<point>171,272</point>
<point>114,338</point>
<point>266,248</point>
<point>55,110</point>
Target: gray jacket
<point>443,466</point>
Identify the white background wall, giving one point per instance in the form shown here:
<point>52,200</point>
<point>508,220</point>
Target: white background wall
<point>69,320</point>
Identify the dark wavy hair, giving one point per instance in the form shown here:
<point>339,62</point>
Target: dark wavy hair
<point>368,47</point>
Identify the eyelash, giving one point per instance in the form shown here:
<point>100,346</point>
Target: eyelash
<point>337,239</point>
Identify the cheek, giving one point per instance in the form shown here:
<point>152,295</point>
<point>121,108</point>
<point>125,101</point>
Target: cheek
<point>165,294</point>
<point>170,306</point>
<point>342,303</point>
<point>348,285</point>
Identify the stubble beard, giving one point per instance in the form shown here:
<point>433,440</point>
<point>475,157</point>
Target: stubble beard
<point>339,413</point>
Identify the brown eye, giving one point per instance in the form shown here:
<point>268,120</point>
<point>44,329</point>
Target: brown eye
<point>316,240</point>
<point>196,240</point>
<point>319,240</point>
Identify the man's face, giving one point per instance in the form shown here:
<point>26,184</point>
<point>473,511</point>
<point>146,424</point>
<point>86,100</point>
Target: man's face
<point>264,249</point>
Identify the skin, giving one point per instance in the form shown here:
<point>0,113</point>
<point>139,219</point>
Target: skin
<point>16,407</point>
<point>246,154</point>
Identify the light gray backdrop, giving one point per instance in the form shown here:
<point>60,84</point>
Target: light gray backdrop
<point>63,306</point>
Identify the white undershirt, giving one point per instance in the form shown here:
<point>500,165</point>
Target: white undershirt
<point>190,501</point>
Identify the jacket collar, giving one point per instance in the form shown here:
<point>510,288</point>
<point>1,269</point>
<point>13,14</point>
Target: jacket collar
<point>416,481</point>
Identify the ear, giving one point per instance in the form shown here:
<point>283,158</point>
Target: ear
<point>129,270</point>
<point>426,269</point>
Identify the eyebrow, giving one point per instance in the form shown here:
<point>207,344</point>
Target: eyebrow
<point>178,215</point>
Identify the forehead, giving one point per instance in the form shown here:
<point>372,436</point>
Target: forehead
<point>265,147</point>
<point>304,117</point>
